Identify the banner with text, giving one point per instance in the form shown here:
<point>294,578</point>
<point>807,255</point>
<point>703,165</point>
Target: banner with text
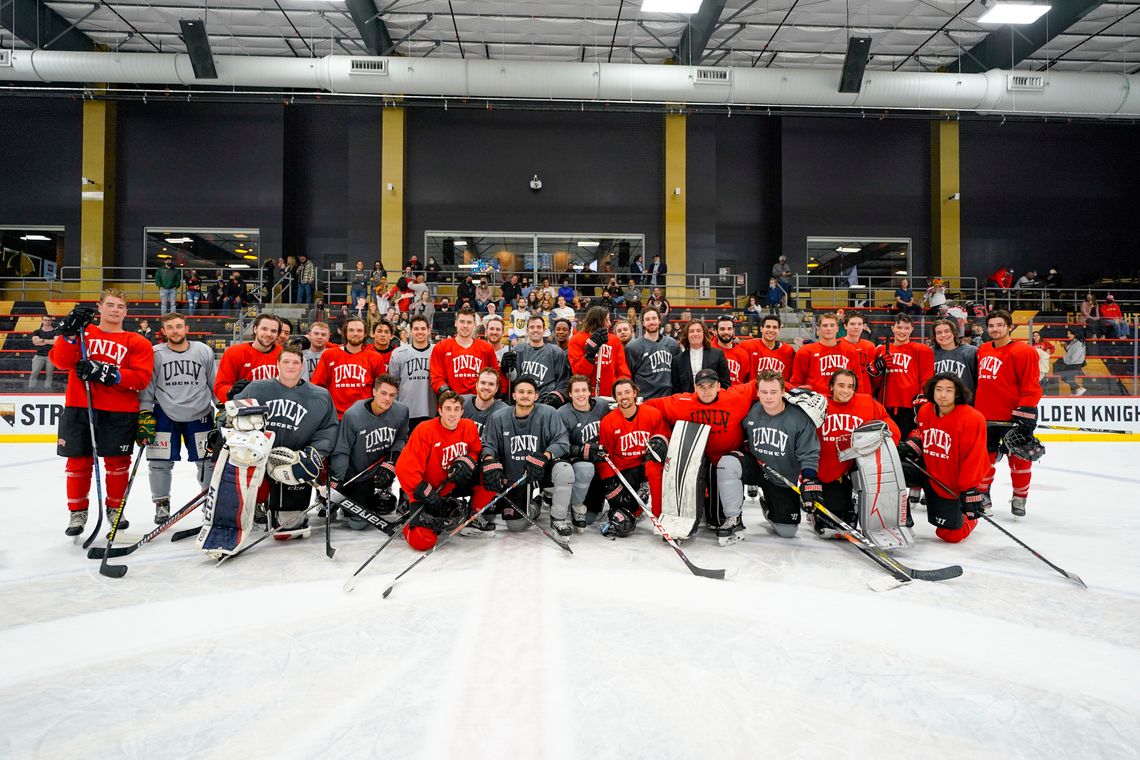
<point>30,418</point>
<point>1095,414</point>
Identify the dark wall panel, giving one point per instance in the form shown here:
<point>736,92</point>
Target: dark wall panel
<point>41,160</point>
<point>1035,195</point>
<point>199,166</point>
<point>470,170</point>
<point>861,178</point>
<point>335,182</point>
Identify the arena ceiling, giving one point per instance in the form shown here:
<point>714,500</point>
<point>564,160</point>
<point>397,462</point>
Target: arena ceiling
<point>914,35</point>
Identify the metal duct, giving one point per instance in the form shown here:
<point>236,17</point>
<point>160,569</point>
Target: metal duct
<point>1059,93</point>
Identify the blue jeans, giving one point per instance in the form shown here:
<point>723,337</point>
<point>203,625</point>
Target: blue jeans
<point>166,300</point>
<point>358,292</point>
<point>192,298</point>
<point>305,292</point>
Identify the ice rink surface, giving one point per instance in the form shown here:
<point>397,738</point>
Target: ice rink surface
<point>511,648</point>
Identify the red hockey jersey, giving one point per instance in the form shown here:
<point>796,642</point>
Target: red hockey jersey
<point>909,366</point>
<point>815,364</point>
<point>611,356</point>
<point>430,449</point>
<point>457,367</point>
<point>866,351</point>
<point>347,377</point>
<point>130,352</point>
<point>1007,379</point>
<point>953,447</point>
<point>244,362</point>
<point>739,363</point>
<point>725,416</point>
<point>625,440</point>
<point>779,358</point>
<point>841,419</point>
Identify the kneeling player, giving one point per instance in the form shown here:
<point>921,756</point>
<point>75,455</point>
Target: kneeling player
<point>582,418</point>
<point>781,436</point>
<point>528,438</point>
<point>371,429</point>
<point>949,442</point>
<point>436,467</point>
<point>637,440</point>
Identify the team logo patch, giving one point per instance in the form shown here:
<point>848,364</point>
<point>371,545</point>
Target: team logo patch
<point>8,414</point>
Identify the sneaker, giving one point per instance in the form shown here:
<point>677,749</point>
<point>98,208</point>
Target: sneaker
<point>1080,391</point>
<point>161,511</point>
<point>76,523</point>
<point>578,515</point>
<point>480,527</point>
<point>731,531</point>
<point>124,523</point>
<point>561,527</point>
<point>1017,506</point>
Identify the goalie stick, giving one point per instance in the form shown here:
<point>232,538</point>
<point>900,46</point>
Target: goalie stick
<point>445,538</point>
<point>105,568</point>
<point>900,571</point>
<point>701,571</point>
<point>96,552</point>
<point>1071,576</point>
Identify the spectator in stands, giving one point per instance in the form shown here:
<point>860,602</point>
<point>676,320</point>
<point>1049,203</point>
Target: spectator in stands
<point>1090,314</point>
<point>404,294</point>
<point>566,290</point>
<point>659,302</point>
<point>432,270</point>
<point>306,280</point>
<point>753,310</point>
<point>562,310</point>
<point>482,294</point>
<point>656,273</point>
<point>548,306</point>
<point>235,294</point>
<point>167,279</point>
<point>548,290</point>
<point>1053,284</point>
<point>144,330</point>
<point>42,338</point>
<point>977,334</point>
<point>904,299</point>
<point>525,287</point>
<point>636,269</point>
<point>337,320</point>
<point>776,297</point>
<point>268,277</point>
<point>444,322</point>
<point>783,274</point>
<point>377,274</point>
<point>633,317</point>
<point>1069,366</point>
<point>1028,280</point>
<point>667,330</point>
<point>1112,322</point>
<point>1044,351</point>
<point>465,293</point>
<point>1001,280</point>
<point>289,281</point>
<point>318,313</point>
<point>631,296</point>
<point>511,290</point>
<point>615,292</point>
<point>418,287</point>
<point>425,307</point>
<point>935,296</point>
<point>358,285</point>
<point>194,290</point>
<point>215,296</point>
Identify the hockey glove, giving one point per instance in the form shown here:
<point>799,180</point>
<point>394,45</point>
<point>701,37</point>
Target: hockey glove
<point>910,451</point>
<point>442,389</point>
<point>294,468</point>
<point>594,452</point>
<point>494,480</point>
<point>145,432</point>
<point>811,493</point>
<point>97,372</point>
<point>536,465</point>
<point>1026,418</point>
<point>461,470</point>
<point>509,362</point>
<point>78,318</point>
<point>917,402</point>
<point>877,367</point>
<point>974,503</point>
<point>302,342</point>
<point>595,342</point>
<point>657,449</point>
<point>384,476</point>
<point>429,498</point>
<point>237,388</point>
<point>553,399</point>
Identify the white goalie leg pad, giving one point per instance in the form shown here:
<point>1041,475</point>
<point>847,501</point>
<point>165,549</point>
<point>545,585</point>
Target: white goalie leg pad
<point>227,515</point>
<point>679,503</point>
<point>880,488</point>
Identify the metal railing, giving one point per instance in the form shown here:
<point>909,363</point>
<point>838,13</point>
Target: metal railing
<point>879,291</point>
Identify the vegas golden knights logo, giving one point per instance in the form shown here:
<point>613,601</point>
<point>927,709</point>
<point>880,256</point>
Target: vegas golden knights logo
<point>8,414</point>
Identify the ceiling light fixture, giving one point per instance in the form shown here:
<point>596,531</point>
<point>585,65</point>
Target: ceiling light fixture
<point>251,258</point>
<point>238,266</point>
<point>900,271</point>
<point>849,249</point>
<point>670,6</point>
<point>176,241</point>
<point>460,243</point>
<point>1013,13</point>
<point>587,244</point>
<point>34,237</point>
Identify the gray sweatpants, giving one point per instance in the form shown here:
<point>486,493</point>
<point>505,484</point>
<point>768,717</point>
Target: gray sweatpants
<point>41,364</point>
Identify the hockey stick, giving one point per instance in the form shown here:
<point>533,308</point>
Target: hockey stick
<point>561,544</point>
<point>121,551</point>
<point>444,539</point>
<point>350,584</point>
<point>900,571</point>
<point>1071,576</point>
<point>296,522</point>
<point>105,568</point>
<point>1068,428</point>
<point>94,446</point>
<point>329,550</point>
<point>703,572</point>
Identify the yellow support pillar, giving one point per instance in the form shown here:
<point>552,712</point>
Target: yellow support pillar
<point>676,193</point>
<point>946,208</point>
<point>97,211</point>
<point>392,197</point>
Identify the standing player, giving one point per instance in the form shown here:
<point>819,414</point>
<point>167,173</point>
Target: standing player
<point>528,438</point>
<point>952,358</point>
<point>382,344</point>
<point>543,361</point>
<point>371,429</point>
<point>597,354</point>
<point>484,402</point>
<point>781,436</point>
<point>560,333</point>
<point>179,404</point>
<point>411,365</point>
<point>902,370</point>
<point>456,362</point>
<point>737,357</point>
<point>318,336</point>
<point>768,352</point>
<point>243,363</point>
<point>439,463</point>
<point>493,334</point>
<point>949,442</point>
<point>650,357</point>
<point>816,362</point>
<point>349,372</point>
<point>855,325</point>
<point>582,419</point>
<point>637,441</point>
<point>304,419</point>
<point>847,409</point>
<point>118,365</point>
<point>1008,390</point>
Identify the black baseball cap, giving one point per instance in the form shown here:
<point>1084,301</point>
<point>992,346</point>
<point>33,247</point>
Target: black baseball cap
<point>706,375</point>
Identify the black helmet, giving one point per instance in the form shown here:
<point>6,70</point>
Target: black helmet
<point>1023,445</point>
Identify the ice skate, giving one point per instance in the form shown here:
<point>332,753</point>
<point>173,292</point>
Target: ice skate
<point>76,523</point>
<point>562,527</point>
<point>731,531</point>
<point>161,511</point>
<point>480,527</point>
<point>1017,506</point>
<point>123,524</point>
